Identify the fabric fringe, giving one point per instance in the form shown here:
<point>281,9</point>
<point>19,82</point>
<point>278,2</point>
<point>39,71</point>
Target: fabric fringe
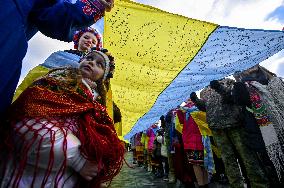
<point>276,155</point>
<point>59,96</point>
<point>273,98</point>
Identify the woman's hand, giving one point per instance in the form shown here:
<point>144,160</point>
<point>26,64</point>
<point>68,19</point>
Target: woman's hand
<point>108,4</point>
<point>89,170</point>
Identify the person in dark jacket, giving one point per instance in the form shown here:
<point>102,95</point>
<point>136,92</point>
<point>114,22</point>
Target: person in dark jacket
<point>20,20</point>
<point>225,120</point>
<point>200,104</point>
<point>258,128</point>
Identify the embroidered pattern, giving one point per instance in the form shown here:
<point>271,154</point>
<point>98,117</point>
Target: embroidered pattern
<point>87,9</point>
<point>93,8</point>
<point>258,107</point>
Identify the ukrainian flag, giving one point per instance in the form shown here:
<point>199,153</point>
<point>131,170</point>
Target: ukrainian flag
<point>162,57</point>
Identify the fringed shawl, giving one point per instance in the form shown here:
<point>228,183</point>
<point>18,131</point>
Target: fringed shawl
<point>61,94</point>
<point>272,123</point>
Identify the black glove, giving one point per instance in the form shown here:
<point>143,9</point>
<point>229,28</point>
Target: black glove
<point>241,95</point>
<point>214,84</point>
<point>193,97</point>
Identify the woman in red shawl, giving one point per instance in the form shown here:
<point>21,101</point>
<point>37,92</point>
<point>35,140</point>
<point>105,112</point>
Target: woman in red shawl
<point>61,135</point>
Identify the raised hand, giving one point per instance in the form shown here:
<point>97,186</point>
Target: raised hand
<point>89,170</point>
<point>214,84</point>
<point>193,97</point>
<point>108,4</point>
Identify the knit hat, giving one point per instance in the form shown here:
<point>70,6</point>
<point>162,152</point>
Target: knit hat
<point>109,62</point>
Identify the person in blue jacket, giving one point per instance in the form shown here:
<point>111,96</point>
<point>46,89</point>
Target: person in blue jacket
<point>20,20</point>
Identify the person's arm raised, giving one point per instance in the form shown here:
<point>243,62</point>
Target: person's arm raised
<point>63,18</point>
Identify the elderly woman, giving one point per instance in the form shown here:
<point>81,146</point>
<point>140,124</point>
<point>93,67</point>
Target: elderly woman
<point>261,94</point>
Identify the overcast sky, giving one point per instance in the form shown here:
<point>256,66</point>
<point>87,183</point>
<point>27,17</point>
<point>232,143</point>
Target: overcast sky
<point>253,14</point>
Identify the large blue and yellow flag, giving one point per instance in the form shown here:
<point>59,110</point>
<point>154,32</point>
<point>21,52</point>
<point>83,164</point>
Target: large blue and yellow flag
<point>162,57</point>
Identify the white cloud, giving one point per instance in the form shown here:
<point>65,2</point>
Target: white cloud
<point>275,63</point>
<point>250,14</point>
<point>237,13</point>
<point>40,47</point>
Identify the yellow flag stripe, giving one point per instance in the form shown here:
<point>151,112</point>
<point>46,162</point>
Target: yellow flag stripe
<point>200,119</point>
<point>33,74</point>
<point>150,47</point>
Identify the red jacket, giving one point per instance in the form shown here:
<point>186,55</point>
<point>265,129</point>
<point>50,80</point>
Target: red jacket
<point>191,136</point>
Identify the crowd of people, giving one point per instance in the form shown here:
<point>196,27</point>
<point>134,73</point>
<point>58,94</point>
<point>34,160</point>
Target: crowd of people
<point>232,134</point>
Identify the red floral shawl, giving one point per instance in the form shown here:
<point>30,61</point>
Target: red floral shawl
<point>62,94</point>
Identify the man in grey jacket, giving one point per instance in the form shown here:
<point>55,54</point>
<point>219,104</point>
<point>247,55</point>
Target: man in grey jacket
<point>225,120</point>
